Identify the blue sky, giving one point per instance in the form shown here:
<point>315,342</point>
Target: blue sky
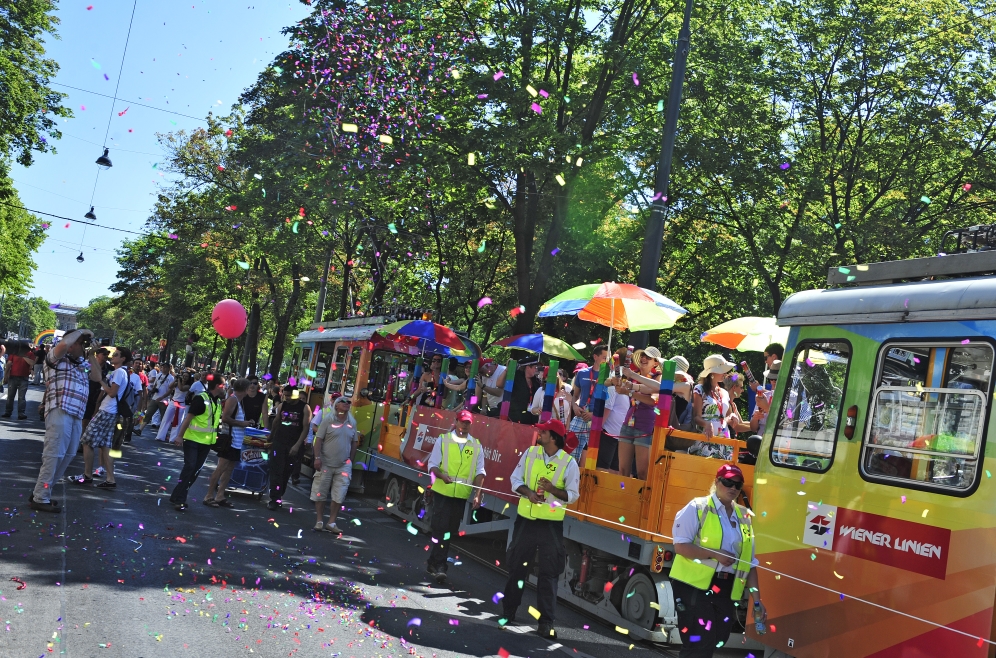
<point>186,57</point>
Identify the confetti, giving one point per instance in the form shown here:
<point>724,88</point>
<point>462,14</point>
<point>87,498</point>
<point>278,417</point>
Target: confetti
<point>497,597</point>
<point>537,108</point>
<point>785,165</point>
<point>532,91</point>
<point>499,75</point>
<point>471,159</point>
<point>556,250</point>
<point>484,244</point>
<point>534,613</point>
<point>385,139</point>
<point>414,621</point>
<point>350,128</point>
<point>925,199</point>
<point>392,228</point>
<point>966,187</point>
<point>241,263</point>
<point>636,80</point>
<point>483,301</point>
<point>560,179</point>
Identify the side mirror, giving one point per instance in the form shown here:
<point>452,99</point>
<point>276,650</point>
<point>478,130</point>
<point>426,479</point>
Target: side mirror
<point>754,445</point>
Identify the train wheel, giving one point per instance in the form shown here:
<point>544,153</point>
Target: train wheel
<point>392,493</point>
<point>637,596</point>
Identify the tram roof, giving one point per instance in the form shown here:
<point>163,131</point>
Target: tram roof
<point>919,301</point>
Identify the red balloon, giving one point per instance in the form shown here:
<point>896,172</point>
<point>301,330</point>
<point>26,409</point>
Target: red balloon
<point>229,318</point>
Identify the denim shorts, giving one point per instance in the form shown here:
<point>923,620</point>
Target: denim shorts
<point>635,437</point>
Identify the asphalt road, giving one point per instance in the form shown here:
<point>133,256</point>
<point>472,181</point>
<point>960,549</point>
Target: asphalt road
<point>121,573</point>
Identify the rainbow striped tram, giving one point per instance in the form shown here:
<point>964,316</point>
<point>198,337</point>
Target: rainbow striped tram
<point>875,526</point>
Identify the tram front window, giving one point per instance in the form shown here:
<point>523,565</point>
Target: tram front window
<point>806,432</point>
<point>928,416</point>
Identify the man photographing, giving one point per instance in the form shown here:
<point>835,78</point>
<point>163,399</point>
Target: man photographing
<point>66,391</point>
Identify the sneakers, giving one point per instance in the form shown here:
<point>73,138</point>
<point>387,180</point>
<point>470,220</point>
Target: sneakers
<point>51,506</point>
<point>319,527</point>
<point>5,416</point>
<point>82,480</point>
<point>431,570</point>
<point>273,505</point>
<point>22,417</point>
<point>332,527</point>
<point>440,577</point>
<point>547,631</point>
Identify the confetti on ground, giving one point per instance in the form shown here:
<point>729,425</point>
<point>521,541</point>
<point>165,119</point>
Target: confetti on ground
<point>534,613</point>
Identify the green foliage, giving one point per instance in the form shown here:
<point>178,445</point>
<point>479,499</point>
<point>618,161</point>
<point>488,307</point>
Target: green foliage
<point>27,104</point>
<point>34,312</point>
<point>21,234</point>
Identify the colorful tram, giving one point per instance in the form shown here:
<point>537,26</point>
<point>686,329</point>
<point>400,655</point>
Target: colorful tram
<point>872,489</point>
<point>874,493</point>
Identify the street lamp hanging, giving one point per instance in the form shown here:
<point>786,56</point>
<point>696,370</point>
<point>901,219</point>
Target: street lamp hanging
<point>103,161</point>
<point>90,214</point>
<point>80,259</point>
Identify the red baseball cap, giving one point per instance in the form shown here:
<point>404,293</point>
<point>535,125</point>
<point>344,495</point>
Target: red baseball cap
<point>554,426</point>
<point>570,442</point>
<point>486,361</point>
<point>728,471</point>
<point>463,414</point>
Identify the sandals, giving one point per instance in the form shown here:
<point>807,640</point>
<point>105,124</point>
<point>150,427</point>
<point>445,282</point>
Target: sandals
<point>224,503</point>
<point>107,485</point>
<point>211,503</point>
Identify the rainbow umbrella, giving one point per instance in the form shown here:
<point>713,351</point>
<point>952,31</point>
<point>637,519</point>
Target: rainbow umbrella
<point>747,334</point>
<point>431,337</point>
<point>541,344</point>
<point>616,306</point>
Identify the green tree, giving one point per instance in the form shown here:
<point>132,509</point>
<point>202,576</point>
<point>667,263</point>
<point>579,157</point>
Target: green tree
<point>27,103</point>
<point>30,315</point>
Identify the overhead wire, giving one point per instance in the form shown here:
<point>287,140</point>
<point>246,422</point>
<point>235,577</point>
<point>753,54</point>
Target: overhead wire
<point>151,107</point>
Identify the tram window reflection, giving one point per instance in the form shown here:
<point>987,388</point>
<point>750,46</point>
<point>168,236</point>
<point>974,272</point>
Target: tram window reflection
<point>928,414</point>
<point>806,431</point>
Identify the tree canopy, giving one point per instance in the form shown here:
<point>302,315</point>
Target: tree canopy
<point>477,158</point>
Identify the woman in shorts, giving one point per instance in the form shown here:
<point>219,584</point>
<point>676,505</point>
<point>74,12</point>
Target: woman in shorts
<point>229,451</point>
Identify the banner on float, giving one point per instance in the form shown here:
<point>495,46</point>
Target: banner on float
<point>503,443</point>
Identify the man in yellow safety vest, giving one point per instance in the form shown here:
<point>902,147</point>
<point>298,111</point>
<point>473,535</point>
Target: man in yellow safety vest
<point>714,562</point>
<point>546,479</point>
<point>457,460</point>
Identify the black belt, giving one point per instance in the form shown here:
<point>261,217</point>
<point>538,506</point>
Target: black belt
<point>723,575</point>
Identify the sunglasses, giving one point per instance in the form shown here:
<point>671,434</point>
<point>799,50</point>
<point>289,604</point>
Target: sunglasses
<point>731,484</point>
<point>344,402</point>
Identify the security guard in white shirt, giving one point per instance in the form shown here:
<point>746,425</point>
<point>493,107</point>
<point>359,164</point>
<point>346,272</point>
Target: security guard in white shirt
<point>715,562</point>
<point>547,479</point>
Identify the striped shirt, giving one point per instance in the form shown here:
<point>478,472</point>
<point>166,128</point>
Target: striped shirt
<point>66,385</point>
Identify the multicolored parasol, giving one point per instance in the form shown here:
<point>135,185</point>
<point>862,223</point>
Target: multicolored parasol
<point>541,344</point>
<point>747,334</point>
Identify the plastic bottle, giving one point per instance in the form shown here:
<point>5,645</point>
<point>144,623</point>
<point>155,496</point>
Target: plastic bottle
<point>759,626</point>
<point>747,373</point>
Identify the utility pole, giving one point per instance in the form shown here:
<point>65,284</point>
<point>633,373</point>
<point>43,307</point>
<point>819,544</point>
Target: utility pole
<point>653,239</point>
<point>320,307</point>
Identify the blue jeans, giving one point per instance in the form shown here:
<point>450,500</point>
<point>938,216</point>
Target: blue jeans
<point>17,386</point>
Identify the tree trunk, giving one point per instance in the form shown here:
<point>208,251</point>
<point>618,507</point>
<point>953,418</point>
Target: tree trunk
<point>283,322</point>
<point>247,365</point>
<point>224,356</point>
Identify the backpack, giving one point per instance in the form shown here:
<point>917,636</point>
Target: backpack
<point>126,399</point>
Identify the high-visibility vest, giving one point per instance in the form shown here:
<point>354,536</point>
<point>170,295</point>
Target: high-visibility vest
<point>459,462</point>
<point>535,467</point>
<point>699,573</point>
<point>204,428</point>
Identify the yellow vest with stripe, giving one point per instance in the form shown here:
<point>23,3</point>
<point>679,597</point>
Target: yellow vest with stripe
<point>699,573</point>
<point>459,462</point>
<point>204,428</point>
<point>535,467</point>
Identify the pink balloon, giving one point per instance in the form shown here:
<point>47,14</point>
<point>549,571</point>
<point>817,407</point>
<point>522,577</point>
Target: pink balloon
<point>229,318</point>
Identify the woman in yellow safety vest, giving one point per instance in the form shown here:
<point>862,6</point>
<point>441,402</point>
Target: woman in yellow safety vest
<point>456,466</point>
<point>715,562</point>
